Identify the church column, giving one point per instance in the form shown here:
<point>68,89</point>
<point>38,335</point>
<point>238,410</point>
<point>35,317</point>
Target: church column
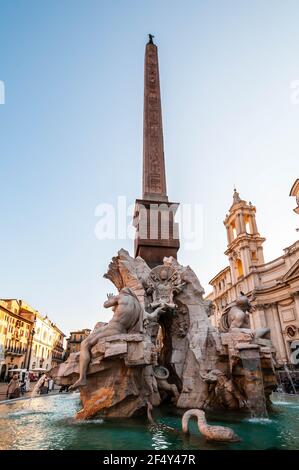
<point>253,225</point>
<point>233,270</point>
<point>242,223</point>
<point>259,317</point>
<point>229,234</point>
<point>248,258</point>
<point>244,259</point>
<point>295,296</point>
<point>279,333</point>
<point>238,225</point>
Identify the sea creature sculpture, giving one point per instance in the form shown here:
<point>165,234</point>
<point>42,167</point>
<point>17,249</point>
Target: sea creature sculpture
<point>211,433</point>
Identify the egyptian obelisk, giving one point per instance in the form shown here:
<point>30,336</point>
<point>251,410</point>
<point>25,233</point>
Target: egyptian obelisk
<point>156,231</point>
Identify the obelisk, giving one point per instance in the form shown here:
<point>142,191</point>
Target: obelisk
<point>156,231</point>
<point>154,180</point>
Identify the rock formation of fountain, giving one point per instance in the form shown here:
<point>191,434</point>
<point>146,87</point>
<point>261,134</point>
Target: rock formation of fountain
<point>160,345</point>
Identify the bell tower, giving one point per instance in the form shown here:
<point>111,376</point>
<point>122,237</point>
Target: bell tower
<point>245,245</point>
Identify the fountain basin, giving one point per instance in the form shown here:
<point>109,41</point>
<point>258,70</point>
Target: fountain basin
<point>49,424</point>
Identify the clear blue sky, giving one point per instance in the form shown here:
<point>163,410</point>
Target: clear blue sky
<point>71,132</point>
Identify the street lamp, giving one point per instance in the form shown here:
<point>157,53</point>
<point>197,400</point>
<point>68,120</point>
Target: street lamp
<point>32,333</point>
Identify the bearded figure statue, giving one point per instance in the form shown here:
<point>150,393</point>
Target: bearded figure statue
<point>127,317</point>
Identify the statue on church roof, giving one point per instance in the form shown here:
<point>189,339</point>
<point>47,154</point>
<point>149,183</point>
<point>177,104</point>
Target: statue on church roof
<point>236,197</point>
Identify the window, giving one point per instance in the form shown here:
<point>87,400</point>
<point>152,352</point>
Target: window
<point>247,224</point>
<point>234,231</point>
<point>239,267</point>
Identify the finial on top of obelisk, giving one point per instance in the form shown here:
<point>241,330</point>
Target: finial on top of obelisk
<point>150,39</point>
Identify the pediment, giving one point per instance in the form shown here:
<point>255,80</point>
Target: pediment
<point>292,272</point>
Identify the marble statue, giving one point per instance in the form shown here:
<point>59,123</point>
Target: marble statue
<point>161,374</point>
<point>236,197</point>
<point>162,285</point>
<point>127,314</point>
<point>227,394</point>
<point>160,346</point>
<point>236,318</point>
<point>211,433</point>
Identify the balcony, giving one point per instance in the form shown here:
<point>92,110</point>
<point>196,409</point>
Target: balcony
<point>14,351</point>
<point>57,358</point>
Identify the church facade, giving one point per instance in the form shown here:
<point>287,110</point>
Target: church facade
<point>273,287</point>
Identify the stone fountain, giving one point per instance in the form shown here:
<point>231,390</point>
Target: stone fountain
<point>160,346</point>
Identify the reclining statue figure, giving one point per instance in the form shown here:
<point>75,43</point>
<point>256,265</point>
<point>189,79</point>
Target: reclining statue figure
<point>128,312</point>
<point>236,318</point>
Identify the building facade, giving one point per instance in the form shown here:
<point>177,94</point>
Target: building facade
<point>273,287</point>
<point>75,339</point>
<point>58,351</point>
<point>28,340</point>
<point>15,333</point>
<point>46,345</point>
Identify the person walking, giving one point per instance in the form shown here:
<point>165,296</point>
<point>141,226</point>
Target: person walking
<point>22,387</point>
<point>13,389</point>
<point>27,383</point>
<point>46,385</point>
<point>51,385</point>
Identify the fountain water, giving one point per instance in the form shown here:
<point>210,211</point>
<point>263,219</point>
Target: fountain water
<point>290,378</point>
<point>38,385</point>
<point>50,425</point>
<point>256,400</point>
